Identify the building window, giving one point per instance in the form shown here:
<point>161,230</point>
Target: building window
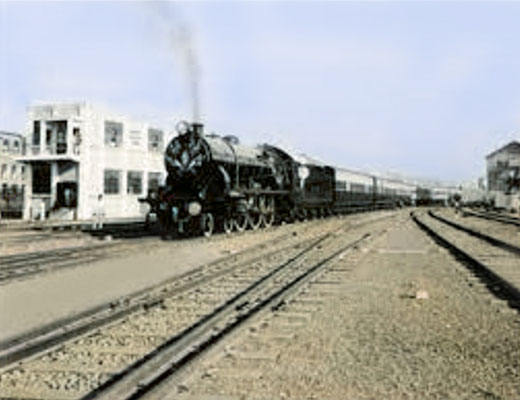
<point>16,146</point>
<point>112,181</point>
<point>36,133</point>
<point>3,174</point>
<point>154,180</point>
<point>22,172</point>
<point>155,140</point>
<point>61,137</point>
<point>76,135</point>
<point>134,182</point>
<point>113,134</point>
<point>13,171</point>
<point>5,146</point>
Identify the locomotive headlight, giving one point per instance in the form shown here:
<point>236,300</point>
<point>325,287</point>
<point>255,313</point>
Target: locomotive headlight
<point>303,172</point>
<point>194,208</point>
<point>182,127</point>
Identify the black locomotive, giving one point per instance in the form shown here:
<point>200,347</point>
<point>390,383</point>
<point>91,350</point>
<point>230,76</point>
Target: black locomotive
<point>215,183</point>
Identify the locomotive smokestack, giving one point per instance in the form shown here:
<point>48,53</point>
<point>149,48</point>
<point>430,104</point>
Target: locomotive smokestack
<point>198,128</point>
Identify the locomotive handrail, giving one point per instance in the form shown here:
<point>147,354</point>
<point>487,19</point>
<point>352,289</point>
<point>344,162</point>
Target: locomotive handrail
<point>230,145</point>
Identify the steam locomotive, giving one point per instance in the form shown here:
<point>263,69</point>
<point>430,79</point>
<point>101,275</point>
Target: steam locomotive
<point>215,183</point>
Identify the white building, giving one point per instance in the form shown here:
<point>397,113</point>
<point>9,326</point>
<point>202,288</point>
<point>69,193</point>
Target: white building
<point>83,159</point>
<point>12,174</point>
<point>503,176</point>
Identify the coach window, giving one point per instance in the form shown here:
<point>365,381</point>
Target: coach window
<point>155,140</point>
<point>113,134</point>
<point>357,187</point>
<point>134,182</point>
<point>112,181</point>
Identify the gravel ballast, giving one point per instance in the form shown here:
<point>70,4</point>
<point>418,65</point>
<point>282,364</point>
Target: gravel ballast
<point>397,319</point>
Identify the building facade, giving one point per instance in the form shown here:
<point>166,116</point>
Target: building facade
<point>13,175</point>
<point>84,161</point>
<point>503,176</point>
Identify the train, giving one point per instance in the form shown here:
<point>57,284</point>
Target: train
<point>214,183</point>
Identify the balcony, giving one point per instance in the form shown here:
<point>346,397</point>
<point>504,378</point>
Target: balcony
<point>54,151</point>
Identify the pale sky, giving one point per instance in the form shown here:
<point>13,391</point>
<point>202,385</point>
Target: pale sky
<point>423,88</point>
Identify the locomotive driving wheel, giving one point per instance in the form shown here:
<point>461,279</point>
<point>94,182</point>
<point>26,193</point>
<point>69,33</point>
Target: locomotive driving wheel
<point>227,225</point>
<point>207,224</point>
<point>240,222</point>
<point>254,219</point>
<point>268,212</point>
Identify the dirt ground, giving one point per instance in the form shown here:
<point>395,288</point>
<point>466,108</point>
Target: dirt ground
<point>397,319</point>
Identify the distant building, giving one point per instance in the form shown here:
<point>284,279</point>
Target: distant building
<point>503,175</point>
<point>13,175</point>
<point>84,160</point>
<point>473,192</point>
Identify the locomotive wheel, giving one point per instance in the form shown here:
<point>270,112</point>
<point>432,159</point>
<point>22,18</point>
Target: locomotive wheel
<point>227,225</point>
<point>207,223</point>
<point>240,222</point>
<point>303,215</point>
<point>268,219</point>
<point>268,213</point>
<point>255,220</point>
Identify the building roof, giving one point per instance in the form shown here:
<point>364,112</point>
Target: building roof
<point>513,147</point>
<point>14,134</point>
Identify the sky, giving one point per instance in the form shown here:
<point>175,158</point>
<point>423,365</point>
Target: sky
<point>425,89</point>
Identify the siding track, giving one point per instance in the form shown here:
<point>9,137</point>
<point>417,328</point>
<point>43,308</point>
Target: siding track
<point>495,263</point>
<point>505,219</point>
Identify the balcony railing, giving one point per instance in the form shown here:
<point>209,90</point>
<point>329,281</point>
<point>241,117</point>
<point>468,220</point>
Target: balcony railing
<point>53,149</point>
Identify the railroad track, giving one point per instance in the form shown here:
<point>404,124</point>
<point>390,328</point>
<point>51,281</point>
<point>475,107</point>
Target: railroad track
<point>18,266</point>
<point>171,317</point>
<point>505,219</point>
<point>24,265</point>
<point>494,262</point>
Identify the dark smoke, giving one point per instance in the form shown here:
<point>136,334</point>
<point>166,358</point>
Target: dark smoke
<point>183,49</point>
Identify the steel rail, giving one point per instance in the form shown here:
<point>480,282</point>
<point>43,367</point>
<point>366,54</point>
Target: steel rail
<point>499,286</point>
<point>179,351</point>
<point>18,266</point>
<point>494,217</point>
<point>489,239</point>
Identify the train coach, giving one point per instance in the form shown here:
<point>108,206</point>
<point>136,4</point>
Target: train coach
<point>215,183</point>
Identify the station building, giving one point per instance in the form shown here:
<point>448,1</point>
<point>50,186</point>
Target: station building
<point>503,176</point>
<point>13,175</point>
<point>83,160</point>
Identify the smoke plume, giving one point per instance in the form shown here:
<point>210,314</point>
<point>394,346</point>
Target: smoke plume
<point>180,39</point>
